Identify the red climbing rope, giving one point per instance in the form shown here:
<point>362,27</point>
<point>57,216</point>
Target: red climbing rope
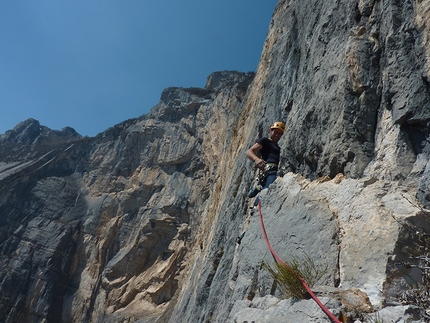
<point>320,304</point>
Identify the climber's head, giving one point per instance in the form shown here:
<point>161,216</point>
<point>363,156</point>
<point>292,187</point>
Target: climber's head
<point>278,125</point>
<point>277,130</point>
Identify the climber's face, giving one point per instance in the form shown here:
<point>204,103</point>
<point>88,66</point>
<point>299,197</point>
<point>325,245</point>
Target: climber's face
<point>275,134</point>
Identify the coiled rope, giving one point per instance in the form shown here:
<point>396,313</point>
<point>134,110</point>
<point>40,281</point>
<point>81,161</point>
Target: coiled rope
<point>305,285</point>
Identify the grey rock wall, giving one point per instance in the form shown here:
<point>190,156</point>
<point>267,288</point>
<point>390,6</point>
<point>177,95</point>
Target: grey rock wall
<point>98,229</point>
<point>349,80</point>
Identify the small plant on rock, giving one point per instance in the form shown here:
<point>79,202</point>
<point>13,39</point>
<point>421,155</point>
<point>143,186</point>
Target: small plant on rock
<point>288,279</point>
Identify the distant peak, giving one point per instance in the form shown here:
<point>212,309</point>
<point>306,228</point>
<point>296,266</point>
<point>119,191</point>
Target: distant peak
<point>27,131</point>
<point>24,132</point>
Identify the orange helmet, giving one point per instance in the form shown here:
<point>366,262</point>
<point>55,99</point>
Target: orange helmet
<point>278,125</point>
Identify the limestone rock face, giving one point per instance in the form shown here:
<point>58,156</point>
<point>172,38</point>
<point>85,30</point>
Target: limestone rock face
<point>141,222</point>
<point>99,229</point>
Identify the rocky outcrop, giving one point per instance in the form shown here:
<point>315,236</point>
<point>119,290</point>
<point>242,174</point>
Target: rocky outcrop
<point>140,223</point>
<point>29,139</point>
<point>99,229</point>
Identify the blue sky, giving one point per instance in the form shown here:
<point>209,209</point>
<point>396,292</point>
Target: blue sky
<point>90,64</point>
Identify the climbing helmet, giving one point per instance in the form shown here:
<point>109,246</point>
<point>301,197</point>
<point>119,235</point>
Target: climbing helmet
<point>278,125</point>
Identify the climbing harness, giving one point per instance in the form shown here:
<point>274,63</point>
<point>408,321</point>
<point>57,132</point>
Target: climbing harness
<point>305,285</point>
<point>263,174</point>
<point>261,177</point>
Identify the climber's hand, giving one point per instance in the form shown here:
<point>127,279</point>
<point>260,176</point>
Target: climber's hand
<point>261,164</point>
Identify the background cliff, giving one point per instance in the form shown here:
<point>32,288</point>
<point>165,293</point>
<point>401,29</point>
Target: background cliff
<point>140,223</point>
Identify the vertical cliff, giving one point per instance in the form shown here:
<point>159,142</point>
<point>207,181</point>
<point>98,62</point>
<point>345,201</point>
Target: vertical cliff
<point>140,223</point>
<point>350,81</point>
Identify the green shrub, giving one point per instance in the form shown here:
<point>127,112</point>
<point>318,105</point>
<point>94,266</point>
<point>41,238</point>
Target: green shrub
<point>288,280</point>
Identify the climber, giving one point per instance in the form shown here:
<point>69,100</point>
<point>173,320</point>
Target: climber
<point>268,162</point>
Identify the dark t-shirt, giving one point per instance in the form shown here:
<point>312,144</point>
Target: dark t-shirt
<point>270,151</point>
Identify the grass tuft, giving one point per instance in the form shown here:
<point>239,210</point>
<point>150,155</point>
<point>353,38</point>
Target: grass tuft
<point>288,279</point>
